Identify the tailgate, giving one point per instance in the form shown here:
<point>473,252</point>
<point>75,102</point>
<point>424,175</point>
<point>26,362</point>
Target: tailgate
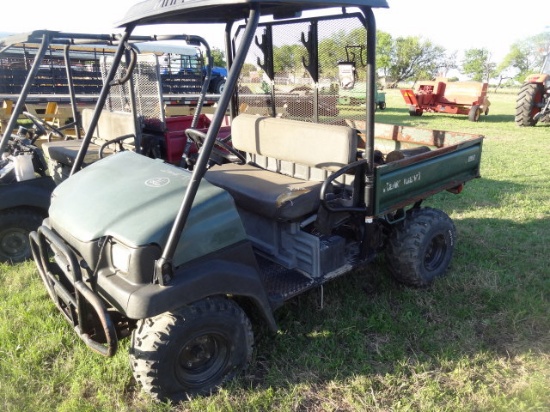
<point>404,182</point>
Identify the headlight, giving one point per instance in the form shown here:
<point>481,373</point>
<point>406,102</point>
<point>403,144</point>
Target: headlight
<point>135,265</point>
<point>120,257</point>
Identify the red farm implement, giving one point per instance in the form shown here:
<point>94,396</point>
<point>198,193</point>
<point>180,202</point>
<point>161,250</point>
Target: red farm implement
<point>439,96</point>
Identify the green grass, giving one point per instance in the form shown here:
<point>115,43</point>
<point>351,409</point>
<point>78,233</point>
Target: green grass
<point>478,340</point>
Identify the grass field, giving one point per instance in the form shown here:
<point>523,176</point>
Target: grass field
<point>478,340</point>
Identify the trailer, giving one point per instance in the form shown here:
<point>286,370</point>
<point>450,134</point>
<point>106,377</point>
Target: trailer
<point>440,96</point>
<point>183,69</point>
<point>181,73</point>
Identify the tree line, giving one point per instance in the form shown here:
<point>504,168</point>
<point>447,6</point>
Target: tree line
<point>411,58</point>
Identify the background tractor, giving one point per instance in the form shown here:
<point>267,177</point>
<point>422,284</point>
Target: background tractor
<point>533,103</point>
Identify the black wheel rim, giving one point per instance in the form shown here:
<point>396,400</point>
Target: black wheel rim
<point>14,244</point>
<point>435,253</point>
<point>201,359</point>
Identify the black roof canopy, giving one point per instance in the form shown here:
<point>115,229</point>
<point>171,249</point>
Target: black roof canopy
<point>221,11</point>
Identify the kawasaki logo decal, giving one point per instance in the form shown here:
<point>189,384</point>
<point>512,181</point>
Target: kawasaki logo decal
<point>157,182</point>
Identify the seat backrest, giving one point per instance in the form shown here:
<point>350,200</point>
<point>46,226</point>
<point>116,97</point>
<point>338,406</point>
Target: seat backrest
<point>60,155</point>
<point>110,124</point>
<point>304,150</point>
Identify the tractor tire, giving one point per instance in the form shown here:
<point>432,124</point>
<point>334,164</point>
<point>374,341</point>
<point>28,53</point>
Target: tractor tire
<point>420,247</point>
<point>15,227</point>
<point>382,105</point>
<point>528,104</point>
<point>191,351</point>
<point>475,113</point>
<point>218,85</point>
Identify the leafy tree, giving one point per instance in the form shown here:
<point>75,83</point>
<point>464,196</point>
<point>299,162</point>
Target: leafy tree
<point>247,68</point>
<point>384,52</point>
<point>410,58</point>
<point>448,63</point>
<point>331,51</point>
<point>413,58</point>
<point>400,59</point>
<point>288,58</point>
<point>218,56</point>
<point>477,64</point>
<point>526,56</point>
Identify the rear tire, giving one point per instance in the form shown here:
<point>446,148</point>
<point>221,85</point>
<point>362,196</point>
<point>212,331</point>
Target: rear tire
<point>420,248</point>
<point>191,351</point>
<point>15,227</point>
<point>413,111</point>
<point>475,113</point>
<point>218,86</point>
<point>527,104</point>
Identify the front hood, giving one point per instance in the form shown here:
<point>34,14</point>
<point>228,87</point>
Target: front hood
<point>135,200</point>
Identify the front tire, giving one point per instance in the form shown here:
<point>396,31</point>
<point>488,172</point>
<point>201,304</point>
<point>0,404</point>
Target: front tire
<point>191,351</point>
<point>420,248</point>
<point>15,227</point>
<point>527,105</point>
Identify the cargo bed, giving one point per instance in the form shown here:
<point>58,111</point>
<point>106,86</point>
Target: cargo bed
<point>452,160</point>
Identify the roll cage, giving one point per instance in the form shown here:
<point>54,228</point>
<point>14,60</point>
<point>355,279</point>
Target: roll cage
<point>228,13</point>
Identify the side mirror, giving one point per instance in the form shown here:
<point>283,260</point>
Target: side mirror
<point>346,75</point>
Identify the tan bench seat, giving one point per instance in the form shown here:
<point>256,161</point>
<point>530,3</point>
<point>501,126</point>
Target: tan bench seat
<point>61,154</point>
<point>65,152</point>
<point>273,195</point>
<point>288,163</point>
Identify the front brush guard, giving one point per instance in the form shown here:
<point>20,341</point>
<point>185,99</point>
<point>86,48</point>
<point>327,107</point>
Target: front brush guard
<point>81,306</point>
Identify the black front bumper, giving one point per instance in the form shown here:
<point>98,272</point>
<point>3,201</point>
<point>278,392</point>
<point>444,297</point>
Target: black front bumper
<point>73,295</point>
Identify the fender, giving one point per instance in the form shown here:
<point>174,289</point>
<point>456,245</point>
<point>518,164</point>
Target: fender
<point>233,272</point>
<point>35,193</point>
<point>537,78</point>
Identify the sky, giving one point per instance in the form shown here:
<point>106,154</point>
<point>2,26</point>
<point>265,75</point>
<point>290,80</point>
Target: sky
<point>454,25</point>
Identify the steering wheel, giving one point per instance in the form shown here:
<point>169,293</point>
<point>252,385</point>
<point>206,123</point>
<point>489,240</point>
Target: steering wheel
<point>43,128</point>
<point>221,149</point>
<point>118,141</point>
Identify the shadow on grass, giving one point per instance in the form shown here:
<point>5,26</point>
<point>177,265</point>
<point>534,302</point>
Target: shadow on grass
<point>492,305</point>
<point>478,193</point>
<point>401,116</point>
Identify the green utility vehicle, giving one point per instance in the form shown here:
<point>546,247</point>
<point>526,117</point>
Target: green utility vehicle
<point>353,91</point>
<point>71,67</point>
<point>183,260</point>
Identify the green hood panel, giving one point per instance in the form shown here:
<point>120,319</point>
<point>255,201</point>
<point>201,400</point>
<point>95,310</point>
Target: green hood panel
<point>135,200</point>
